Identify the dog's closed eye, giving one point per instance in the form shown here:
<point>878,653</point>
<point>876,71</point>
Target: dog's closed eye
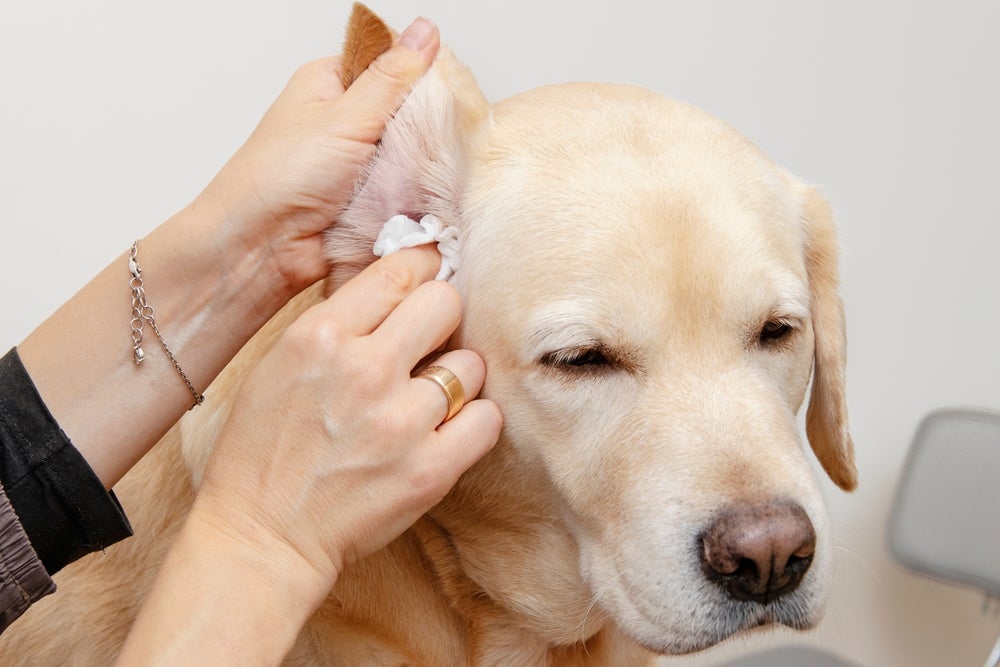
<point>577,357</point>
<point>565,343</point>
<point>590,360</point>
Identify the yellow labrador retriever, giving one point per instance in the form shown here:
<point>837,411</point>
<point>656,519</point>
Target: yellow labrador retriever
<point>651,295</point>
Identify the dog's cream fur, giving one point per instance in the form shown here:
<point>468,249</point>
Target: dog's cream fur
<point>594,218</point>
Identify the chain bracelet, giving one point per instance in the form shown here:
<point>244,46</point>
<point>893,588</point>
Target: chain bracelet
<point>142,312</point>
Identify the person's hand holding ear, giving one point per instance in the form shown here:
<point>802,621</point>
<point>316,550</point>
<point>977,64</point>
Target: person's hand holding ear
<point>219,269</point>
<point>298,169</point>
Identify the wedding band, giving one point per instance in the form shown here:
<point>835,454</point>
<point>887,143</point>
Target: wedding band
<point>450,385</point>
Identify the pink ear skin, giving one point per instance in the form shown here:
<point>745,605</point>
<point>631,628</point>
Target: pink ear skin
<point>419,164</point>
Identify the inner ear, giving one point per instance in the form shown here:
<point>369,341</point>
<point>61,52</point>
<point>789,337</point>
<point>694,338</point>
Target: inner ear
<point>420,163</point>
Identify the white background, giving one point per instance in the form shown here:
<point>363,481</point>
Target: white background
<point>114,113</point>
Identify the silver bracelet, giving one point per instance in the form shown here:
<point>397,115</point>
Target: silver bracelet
<point>143,312</point>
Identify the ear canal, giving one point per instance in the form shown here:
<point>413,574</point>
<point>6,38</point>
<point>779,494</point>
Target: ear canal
<point>419,166</point>
<point>826,417</point>
<point>366,39</point>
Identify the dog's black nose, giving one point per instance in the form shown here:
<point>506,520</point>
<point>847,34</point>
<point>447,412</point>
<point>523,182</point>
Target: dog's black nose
<point>758,552</point>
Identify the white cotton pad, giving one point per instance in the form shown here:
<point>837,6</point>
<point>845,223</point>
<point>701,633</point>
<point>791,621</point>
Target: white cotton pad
<point>402,232</point>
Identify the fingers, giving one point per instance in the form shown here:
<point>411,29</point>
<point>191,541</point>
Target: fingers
<point>432,399</point>
<point>378,92</point>
<point>366,300</point>
<point>467,437</point>
<point>421,323</point>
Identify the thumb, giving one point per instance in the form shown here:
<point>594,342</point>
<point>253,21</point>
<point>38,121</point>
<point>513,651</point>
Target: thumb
<point>379,91</point>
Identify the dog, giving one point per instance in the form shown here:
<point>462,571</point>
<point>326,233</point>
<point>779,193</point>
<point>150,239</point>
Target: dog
<point>652,297</point>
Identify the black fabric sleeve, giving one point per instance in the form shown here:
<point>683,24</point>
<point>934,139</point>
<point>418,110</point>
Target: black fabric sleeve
<point>62,505</point>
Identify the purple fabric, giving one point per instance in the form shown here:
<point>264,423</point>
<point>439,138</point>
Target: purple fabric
<point>23,579</point>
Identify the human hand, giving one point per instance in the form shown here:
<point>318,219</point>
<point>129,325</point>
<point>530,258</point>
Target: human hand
<point>332,449</point>
<point>297,171</point>
<point>225,264</point>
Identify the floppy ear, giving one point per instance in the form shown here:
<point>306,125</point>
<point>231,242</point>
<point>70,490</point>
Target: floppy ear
<point>826,417</point>
<point>419,164</point>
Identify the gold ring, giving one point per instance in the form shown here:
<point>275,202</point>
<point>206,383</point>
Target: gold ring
<point>450,385</point>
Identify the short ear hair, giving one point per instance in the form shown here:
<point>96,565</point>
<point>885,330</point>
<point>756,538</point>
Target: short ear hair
<point>367,38</point>
<point>826,417</point>
<point>419,164</point>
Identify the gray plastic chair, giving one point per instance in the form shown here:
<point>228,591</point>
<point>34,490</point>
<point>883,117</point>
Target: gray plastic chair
<point>945,520</point>
<point>790,656</point>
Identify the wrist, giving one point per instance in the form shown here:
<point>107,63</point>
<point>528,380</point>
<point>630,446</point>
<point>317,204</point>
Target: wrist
<point>222,597</point>
<point>267,219</point>
<point>223,270</point>
<point>211,291</point>
<point>302,579</point>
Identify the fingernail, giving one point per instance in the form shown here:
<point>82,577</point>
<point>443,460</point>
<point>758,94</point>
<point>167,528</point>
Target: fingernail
<point>418,35</point>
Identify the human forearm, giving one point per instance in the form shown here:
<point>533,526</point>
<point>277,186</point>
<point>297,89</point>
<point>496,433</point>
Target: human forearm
<point>216,271</point>
<point>223,599</point>
<point>210,291</point>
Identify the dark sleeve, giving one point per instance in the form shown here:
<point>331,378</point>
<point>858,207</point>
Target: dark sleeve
<point>23,579</point>
<point>62,505</point>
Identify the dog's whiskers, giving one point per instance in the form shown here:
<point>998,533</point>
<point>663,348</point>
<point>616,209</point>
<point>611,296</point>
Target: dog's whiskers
<point>871,570</point>
<point>594,599</point>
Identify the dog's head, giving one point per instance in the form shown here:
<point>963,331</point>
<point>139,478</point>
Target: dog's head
<point>651,295</point>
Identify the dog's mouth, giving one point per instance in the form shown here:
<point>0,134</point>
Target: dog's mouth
<point>727,620</point>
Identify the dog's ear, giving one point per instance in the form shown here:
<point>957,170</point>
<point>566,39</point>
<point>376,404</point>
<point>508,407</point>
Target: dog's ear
<point>418,168</point>
<point>366,39</point>
<point>826,417</point>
